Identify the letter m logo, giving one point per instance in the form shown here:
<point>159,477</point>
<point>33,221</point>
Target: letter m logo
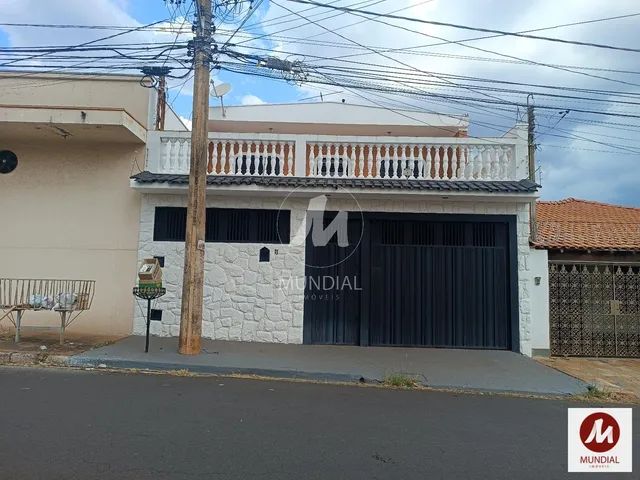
<point>598,435</point>
<point>320,236</point>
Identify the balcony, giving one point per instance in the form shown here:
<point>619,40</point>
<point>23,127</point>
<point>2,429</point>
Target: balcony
<point>324,156</point>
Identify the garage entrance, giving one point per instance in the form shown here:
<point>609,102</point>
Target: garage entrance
<point>594,309</point>
<point>416,280</point>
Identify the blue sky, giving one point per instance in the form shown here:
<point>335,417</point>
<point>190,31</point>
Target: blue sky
<point>578,156</point>
<point>242,86</point>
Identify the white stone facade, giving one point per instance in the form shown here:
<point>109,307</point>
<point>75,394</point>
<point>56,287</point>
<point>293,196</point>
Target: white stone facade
<point>244,299</point>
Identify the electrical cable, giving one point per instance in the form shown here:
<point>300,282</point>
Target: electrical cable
<point>466,27</point>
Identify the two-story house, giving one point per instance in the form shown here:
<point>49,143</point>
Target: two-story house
<point>332,223</point>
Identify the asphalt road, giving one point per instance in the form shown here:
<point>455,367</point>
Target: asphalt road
<point>62,424</point>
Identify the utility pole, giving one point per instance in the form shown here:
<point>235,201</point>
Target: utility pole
<point>531,120</point>
<point>161,106</point>
<point>193,278</point>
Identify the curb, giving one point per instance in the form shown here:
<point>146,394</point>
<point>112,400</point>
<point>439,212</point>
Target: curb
<point>282,374</point>
<point>41,358</point>
<point>216,370</point>
<point>33,358</point>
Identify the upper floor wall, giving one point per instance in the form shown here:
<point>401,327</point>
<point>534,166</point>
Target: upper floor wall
<point>78,108</point>
<point>78,91</point>
<point>335,118</point>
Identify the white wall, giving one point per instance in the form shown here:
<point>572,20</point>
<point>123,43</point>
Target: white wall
<point>539,263</point>
<point>242,298</point>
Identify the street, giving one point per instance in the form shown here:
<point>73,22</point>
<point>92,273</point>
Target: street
<point>66,424</point>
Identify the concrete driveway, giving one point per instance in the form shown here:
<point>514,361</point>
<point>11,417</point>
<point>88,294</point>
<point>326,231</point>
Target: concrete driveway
<point>486,370</point>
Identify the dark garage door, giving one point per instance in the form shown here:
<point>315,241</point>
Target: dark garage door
<point>422,282</point>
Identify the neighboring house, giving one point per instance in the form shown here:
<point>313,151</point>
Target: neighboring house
<point>428,229</point>
<point>593,279</point>
<point>67,210</point>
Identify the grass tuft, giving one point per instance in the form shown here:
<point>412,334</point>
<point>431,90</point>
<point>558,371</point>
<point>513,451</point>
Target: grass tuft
<point>400,380</point>
<point>181,373</point>
<point>593,392</point>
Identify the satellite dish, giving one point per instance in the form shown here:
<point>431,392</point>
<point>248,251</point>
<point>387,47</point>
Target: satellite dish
<point>8,161</point>
<point>220,90</point>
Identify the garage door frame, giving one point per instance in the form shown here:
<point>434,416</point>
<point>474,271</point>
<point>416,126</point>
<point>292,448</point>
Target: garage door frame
<point>365,252</point>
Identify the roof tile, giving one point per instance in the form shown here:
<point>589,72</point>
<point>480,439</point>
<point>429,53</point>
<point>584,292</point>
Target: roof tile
<point>507,186</point>
<point>574,224</point>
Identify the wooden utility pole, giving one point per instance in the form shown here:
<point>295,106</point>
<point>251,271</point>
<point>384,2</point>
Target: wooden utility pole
<point>531,120</point>
<point>193,278</point>
<point>161,104</point>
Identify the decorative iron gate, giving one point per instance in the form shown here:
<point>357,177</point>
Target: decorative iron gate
<point>594,309</point>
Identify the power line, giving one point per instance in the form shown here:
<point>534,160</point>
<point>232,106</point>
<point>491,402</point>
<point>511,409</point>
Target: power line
<point>359,22</point>
<point>280,20</point>
<point>244,20</point>
<point>570,136</point>
<point>501,128</point>
<point>381,54</point>
<point>410,72</point>
<point>370,3</point>
<point>184,20</point>
<point>109,37</point>
<point>553,27</point>
<point>413,51</point>
<point>531,62</point>
<point>430,74</point>
<point>466,27</point>
<point>497,101</point>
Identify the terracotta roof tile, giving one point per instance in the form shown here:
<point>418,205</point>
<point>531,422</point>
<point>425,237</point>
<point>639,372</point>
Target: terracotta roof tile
<point>574,224</point>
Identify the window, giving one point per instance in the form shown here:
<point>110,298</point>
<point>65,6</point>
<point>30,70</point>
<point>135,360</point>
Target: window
<point>230,225</point>
<point>170,224</point>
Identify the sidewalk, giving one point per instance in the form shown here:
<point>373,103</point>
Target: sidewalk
<point>485,370</point>
<point>41,346</point>
<point>608,374</point>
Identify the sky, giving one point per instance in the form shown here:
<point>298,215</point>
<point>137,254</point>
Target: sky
<point>579,155</point>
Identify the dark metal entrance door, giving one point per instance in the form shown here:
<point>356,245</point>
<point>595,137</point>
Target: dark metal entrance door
<point>333,289</point>
<point>594,309</point>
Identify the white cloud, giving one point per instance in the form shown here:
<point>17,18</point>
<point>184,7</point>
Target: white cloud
<point>251,100</point>
<point>188,123</point>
